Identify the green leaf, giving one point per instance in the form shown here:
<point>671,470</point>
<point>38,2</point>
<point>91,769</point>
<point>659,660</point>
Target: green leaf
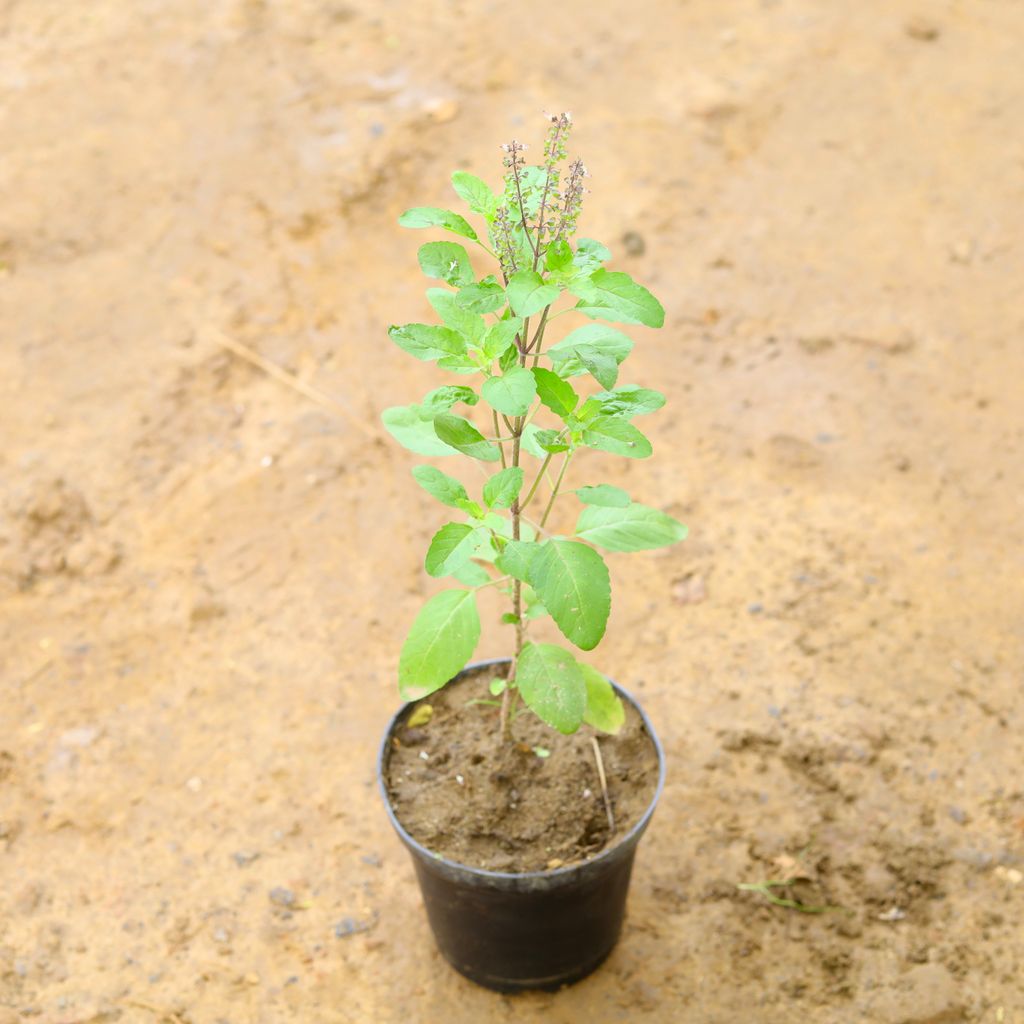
<point>630,401</point>
<point>552,686</point>
<point>471,508</point>
<point>499,336</point>
<point>634,528</point>
<point>516,558</point>
<point>458,318</point>
<point>459,364</point>
<point>443,398</point>
<point>441,641</point>
<point>503,488</point>
<point>604,495</point>
<point>599,365</point>
<point>427,341</point>
<point>558,395</point>
<point>475,193</point>
<point>432,217</point>
<point>590,254</point>
<point>528,294</point>
<point>572,581</point>
<point>502,526</point>
<point>463,436</point>
<point>448,261</point>
<point>510,393</point>
<point>508,358</point>
<point>497,687</point>
<point>620,437</point>
<point>529,441</point>
<point>604,709</point>
<point>472,575</point>
<point>413,427</point>
<point>485,297</point>
<point>590,339</point>
<point>558,256</point>
<point>617,297</point>
<point>534,606</point>
<point>550,441</point>
<point>440,485</point>
<point>451,547</point>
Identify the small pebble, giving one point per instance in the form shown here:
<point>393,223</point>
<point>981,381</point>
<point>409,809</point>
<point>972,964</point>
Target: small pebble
<point>282,897</point>
<point>83,736</point>
<point>459,779</point>
<point>221,935</point>
<point>267,461</point>
<point>243,858</point>
<point>350,926</point>
<point>194,784</point>
<point>755,608</point>
<point>555,862</point>
<point>424,755</point>
<point>634,244</point>
<point>959,815</point>
<point>372,859</point>
<point>922,29</point>
<point>892,914</point>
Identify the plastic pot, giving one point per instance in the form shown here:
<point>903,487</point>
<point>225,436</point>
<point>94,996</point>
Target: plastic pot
<point>531,930</point>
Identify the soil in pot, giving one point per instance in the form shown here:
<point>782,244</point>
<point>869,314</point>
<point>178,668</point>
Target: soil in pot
<point>501,806</point>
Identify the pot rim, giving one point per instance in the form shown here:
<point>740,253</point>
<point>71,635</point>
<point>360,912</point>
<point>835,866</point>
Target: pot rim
<point>632,835</point>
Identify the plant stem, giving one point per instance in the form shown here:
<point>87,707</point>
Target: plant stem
<point>498,437</point>
<point>554,493</point>
<point>505,722</point>
<point>536,483</point>
<point>538,337</point>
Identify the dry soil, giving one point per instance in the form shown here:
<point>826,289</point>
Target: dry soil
<point>205,575</point>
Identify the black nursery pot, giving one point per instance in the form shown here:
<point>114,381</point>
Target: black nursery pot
<point>534,930</point>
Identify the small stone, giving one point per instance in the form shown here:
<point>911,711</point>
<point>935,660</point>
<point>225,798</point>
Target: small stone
<point>252,979</point>
<point>267,461</point>
<point>634,244</point>
<point>243,858</point>
<point>959,815</point>
<point>82,736</point>
<point>441,110</point>
<point>373,859</point>
<point>555,862</point>
<point>922,29</point>
<point>424,755</point>
<point>221,935</point>
<point>755,608</point>
<point>689,590</point>
<point>1011,875</point>
<point>975,858</point>
<point>194,785</point>
<point>282,897</point>
<point>892,914</point>
<point>962,252</point>
<point>351,926</point>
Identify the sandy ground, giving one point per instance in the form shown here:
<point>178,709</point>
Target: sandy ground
<point>205,576</point>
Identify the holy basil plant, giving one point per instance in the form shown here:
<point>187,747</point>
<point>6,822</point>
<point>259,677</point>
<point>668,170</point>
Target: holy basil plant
<point>530,406</point>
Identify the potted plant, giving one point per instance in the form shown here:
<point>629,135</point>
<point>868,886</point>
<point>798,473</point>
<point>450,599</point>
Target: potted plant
<point>521,824</point>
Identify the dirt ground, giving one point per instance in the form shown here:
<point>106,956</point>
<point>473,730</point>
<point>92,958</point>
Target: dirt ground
<point>205,576</point>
